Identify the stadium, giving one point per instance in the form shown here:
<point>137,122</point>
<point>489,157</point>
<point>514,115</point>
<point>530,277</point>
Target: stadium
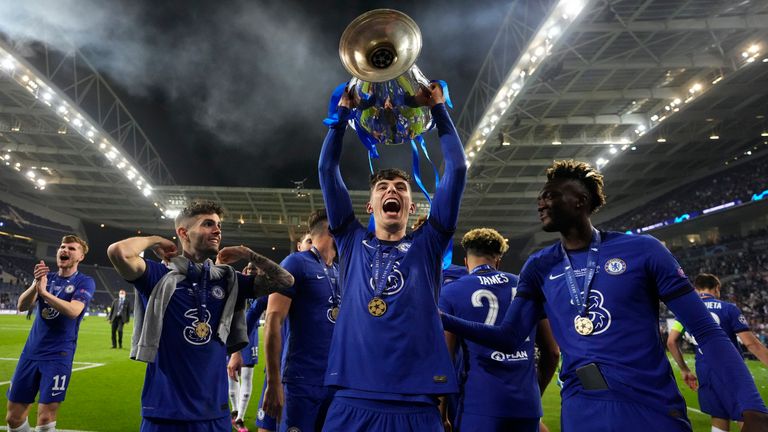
<point>668,99</point>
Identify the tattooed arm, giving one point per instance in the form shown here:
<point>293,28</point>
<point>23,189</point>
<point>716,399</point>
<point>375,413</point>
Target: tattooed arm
<point>269,279</point>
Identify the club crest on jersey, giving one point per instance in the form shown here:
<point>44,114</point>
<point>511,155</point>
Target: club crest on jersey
<point>404,246</point>
<point>69,289</point>
<point>293,429</point>
<point>598,314</point>
<point>217,292</point>
<point>395,282</point>
<point>260,415</point>
<point>198,332</point>
<point>615,266</point>
<point>49,313</point>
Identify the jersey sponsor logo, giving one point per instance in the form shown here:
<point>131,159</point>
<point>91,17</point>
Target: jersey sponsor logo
<point>395,282</point>
<point>598,314</point>
<point>69,289</point>
<point>615,266</point>
<point>553,277</point>
<point>493,280</point>
<point>190,332</point>
<point>217,292</point>
<point>49,313</point>
<point>511,357</point>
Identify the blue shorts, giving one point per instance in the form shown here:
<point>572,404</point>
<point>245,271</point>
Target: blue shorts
<point>305,406</point>
<point>262,419</point>
<point>474,422</point>
<point>49,377</point>
<point>352,415</point>
<point>713,396</point>
<point>583,413</point>
<point>164,425</point>
<point>250,355</point>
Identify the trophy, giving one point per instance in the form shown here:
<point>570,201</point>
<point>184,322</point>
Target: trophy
<point>379,48</point>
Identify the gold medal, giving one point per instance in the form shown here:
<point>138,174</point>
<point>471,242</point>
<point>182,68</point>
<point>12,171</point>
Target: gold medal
<point>334,312</point>
<point>377,307</point>
<point>202,330</point>
<point>583,326</point>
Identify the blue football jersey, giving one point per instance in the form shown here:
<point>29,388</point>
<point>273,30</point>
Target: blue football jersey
<point>497,384</point>
<point>311,321</point>
<point>53,335</point>
<point>633,274</point>
<point>727,316</point>
<point>402,352</point>
<point>453,272</point>
<point>188,380</point>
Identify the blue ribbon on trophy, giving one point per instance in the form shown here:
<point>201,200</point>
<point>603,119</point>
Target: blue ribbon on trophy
<point>379,48</point>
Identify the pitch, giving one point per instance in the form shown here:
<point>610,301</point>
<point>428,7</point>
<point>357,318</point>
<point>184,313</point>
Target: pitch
<point>105,390</point>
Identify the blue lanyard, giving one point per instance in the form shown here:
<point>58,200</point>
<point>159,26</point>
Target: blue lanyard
<point>200,287</point>
<point>380,277</point>
<point>332,284</point>
<point>579,300</point>
<point>483,268</point>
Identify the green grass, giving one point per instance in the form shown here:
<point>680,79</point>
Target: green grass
<point>107,398</point>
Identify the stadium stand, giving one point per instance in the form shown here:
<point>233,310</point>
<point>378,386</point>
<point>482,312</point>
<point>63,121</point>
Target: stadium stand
<point>738,183</point>
<point>20,221</point>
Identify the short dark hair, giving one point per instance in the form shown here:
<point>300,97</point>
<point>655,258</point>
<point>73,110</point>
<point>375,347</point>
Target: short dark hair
<point>706,281</point>
<point>485,242</point>
<point>388,174</point>
<point>198,208</point>
<point>316,220</point>
<point>71,238</point>
<point>584,173</point>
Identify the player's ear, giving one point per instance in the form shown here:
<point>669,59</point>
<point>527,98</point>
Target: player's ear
<point>181,233</point>
<point>466,264</point>
<point>412,208</point>
<point>369,207</point>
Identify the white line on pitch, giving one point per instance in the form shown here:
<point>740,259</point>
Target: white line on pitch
<point>87,365</point>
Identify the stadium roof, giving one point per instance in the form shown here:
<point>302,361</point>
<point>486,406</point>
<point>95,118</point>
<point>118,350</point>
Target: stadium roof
<point>639,87</point>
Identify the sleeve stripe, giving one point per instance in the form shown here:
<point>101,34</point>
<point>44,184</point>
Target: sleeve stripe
<point>677,293</point>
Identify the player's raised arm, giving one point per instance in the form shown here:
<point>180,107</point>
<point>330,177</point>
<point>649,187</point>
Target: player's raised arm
<point>125,257</point>
<point>28,297</point>
<point>445,208</point>
<point>335,193</point>
<point>271,278</point>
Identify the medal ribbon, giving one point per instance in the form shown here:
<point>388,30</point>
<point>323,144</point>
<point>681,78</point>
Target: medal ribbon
<point>380,277</point>
<point>482,268</point>
<point>570,275</point>
<point>334,286</point>
<point>200,287</point>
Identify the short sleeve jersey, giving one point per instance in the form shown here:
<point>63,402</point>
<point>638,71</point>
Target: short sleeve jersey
<point>497,384</point>
<point>188,379</point>
<point>53,335</point>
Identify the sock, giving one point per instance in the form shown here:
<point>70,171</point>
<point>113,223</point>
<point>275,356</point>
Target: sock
<point>50,427</point>
<point>717,429</point>
<point>24,427</point>
<point>234,390</point>
<point>246,386</point>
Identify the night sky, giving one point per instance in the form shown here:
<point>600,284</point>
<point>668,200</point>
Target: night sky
<point>233,93</point>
